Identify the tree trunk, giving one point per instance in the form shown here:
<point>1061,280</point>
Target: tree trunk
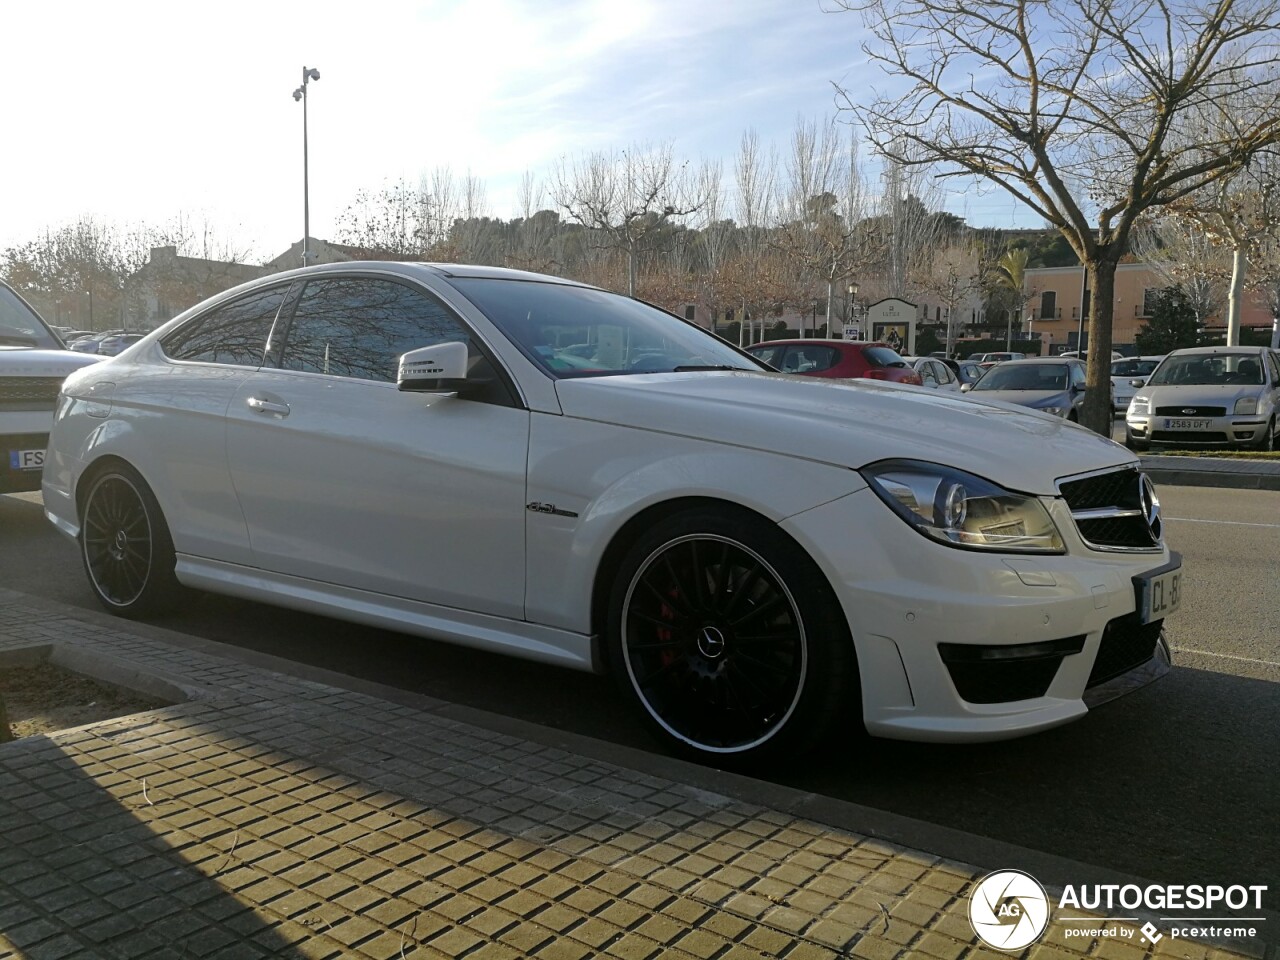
<point>1235,295</point>
<point>1097,413</point>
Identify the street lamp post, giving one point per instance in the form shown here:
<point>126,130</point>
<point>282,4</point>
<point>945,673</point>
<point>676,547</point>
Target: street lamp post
<point>852,290</point>
<point>308,74</point>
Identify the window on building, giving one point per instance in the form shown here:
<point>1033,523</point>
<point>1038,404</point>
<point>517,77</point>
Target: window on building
<point>1049,305</point>
<point>690,311</point>
<point>1149,297</point>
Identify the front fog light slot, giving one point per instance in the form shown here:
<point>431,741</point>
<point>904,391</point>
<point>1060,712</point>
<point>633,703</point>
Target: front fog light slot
<point>963,510</point>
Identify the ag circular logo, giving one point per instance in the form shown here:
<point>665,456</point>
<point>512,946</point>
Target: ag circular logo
<point>1008,910</point>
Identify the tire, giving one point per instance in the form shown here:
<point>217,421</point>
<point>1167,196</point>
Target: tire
<point>685,594</point>
<point>1268,441</point>
<point>125,545</point>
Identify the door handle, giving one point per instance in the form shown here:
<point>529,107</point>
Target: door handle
<point>258,405</point>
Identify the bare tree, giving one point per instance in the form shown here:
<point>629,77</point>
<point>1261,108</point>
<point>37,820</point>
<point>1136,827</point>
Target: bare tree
<point>1181,253</point>
<point>756,177</point>
<point>625,198</point>
<point>1074,108</point>
<point>1241,214</point>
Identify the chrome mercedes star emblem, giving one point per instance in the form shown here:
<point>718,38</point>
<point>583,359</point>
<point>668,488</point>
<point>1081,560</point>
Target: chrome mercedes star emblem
<point>1150,506</point>
<point>710,642</point>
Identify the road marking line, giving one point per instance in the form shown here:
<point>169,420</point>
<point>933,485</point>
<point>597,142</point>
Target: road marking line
<point>1234,523</point>
<point>1227,656</point>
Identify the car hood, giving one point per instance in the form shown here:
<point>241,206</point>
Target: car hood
<point>1200,395</point>
<point>1025,398</point>
<point>849,423</point>
<point>29,362</point>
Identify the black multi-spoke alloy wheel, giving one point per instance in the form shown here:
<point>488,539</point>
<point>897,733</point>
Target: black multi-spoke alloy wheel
<point>125,544</point>
<point>728,638</point>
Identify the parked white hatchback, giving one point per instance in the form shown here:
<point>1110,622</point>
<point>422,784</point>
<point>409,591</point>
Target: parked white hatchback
<point>537,467</point>
<point>1208,396</point>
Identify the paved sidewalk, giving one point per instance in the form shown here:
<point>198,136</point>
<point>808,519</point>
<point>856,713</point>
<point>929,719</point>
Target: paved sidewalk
<point>270,815</point>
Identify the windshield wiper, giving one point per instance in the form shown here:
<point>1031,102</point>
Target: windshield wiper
<point>688,367</point>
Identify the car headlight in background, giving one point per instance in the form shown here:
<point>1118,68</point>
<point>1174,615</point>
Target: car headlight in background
<point>1055,411</point>
<point>1140,405</point>
<point>962,510</point>
<point>1246,406</point>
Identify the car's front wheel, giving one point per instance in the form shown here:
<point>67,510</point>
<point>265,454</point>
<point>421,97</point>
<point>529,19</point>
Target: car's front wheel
<point>1268,439</point>
<point>125,544</point>
<point>1137,446</point>
<point>726,635</point>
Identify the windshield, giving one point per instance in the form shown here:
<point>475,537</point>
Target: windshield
<point>1133,368</point>
<point>579,332</point>
<point>1208,368</point>
<point>20,326</point>
<point>1024,376</point>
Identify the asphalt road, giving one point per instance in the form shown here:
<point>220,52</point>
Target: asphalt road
<point>1178,782</point>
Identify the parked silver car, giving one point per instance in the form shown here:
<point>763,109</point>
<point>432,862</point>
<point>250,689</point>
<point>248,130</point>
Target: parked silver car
<point>1220,396</point>
<point>1049,384</point>
<point>1127,376</point>
<point>934,373</point>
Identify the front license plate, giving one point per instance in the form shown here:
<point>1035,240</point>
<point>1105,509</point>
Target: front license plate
<point>1159,593</point>
<point>1172,423</point>
<point>26,459</point>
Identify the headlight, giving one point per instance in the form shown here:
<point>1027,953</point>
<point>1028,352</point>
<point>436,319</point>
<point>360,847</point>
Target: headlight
<point>962,510</point>
<point>1140,405</point>
<point>1246,406</point>
<point>1055,411</point>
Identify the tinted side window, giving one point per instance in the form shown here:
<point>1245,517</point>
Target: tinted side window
<point>1078,374</point>
<point>809,358</point>
<point>359,327</point>
<point>235,333</point>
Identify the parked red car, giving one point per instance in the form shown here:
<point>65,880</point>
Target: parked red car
<point>845,359</point>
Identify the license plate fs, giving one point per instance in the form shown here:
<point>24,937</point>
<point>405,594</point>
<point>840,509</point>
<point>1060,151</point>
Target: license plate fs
<point>26,459</point>
<point>1159,593</point>
<point>1180,423</point>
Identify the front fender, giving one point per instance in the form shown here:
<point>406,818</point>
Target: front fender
<point>597,477</point>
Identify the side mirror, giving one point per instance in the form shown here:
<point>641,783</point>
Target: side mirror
<point>1137,383</point>
<point>966,387</point>
<point>439,368</point>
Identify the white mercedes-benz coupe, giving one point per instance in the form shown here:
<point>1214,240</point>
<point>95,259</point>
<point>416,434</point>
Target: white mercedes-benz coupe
<point>533,466</point>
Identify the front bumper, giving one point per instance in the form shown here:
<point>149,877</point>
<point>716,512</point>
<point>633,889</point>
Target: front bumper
<point>1068,623</point>
<point>1234,431</point>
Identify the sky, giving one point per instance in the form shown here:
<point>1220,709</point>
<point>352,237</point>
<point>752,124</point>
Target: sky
<point>135,112</point>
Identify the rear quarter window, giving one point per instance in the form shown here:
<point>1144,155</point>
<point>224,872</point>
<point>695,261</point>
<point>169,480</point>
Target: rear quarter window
<point>235,333</point>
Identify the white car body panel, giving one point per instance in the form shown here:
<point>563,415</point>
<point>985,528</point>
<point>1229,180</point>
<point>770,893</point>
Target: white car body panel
<point>426,500</point>
<point>847,423</point>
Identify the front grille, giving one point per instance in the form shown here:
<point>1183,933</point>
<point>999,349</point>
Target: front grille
<point>1189,436</point>
<point>32,393</point>
<point>1191,411</point>
<point>1109,511</point>
<point>1126,643</point>
<point>1003,674</point>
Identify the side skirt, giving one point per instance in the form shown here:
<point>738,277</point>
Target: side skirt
<point>497,634</point>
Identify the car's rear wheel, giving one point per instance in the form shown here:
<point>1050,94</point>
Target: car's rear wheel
<point>728,638</point>
<point>125,544</point>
